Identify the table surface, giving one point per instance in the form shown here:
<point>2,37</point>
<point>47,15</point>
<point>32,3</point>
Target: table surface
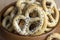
<point>4,2</point>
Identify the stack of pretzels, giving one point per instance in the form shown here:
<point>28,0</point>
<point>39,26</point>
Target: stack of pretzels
<point>31,17</point>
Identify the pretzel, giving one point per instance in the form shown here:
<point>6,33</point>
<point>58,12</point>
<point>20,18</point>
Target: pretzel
<point>6,23</point>
<point>49,12</point>
<point>44,27</point>
<point>48,4</point>
<point>22,3</point>
<point>32,2</point>
<point>29,21</point>
<point>11,11</point>
<point>21,28</point>
<point>54,36</point>
<point>9,15</point>
<point>14,12</point>
<point>54,21</point>
<point>8,11</point>
<point>40,14</point>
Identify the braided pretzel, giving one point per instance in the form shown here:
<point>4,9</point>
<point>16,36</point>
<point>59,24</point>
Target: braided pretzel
<point>29,21</point>
<point>54,36</point>
<point>52,6</point>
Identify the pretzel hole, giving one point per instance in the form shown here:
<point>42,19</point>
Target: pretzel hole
<point>7,21</point>
<point>21,23</point>
<point>33,14</point>
<point>34,25</point>
<point>48,4</point>
<point>53,14</point>
<point>49,19</point>
<point>55,39</point>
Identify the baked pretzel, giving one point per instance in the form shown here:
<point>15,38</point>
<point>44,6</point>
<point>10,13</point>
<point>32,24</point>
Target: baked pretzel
<point>8,11</point>
<point>9,15</point>
<point>54,36</point>
<point>19,24</point>
<point>52,7</point>
<point>32,2</point>
<point>48,4</point>
<point>54,21</point>
<point>44,27</point>
<point>21,4</point>
<point>30,21</point>
<point>6,23</point>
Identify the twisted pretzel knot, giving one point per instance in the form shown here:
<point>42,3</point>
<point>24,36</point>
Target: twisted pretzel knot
<point>48,4</point>
<point>52,7</point>
<point>5,25</point>
<point>29,20</point>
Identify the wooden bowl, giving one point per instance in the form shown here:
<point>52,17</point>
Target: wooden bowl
<point>10,36</point>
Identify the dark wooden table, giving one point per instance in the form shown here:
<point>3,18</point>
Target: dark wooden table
<point>3,3</point>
